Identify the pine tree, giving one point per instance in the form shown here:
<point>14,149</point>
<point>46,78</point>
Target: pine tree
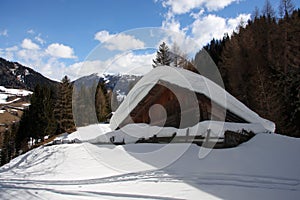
<point>162,56</point>
<point>5,148</point>
<point>49,103</point>
<point>8,150</point>
<point>23,132</point>
<point>38,120</point>
<point>63,109</point>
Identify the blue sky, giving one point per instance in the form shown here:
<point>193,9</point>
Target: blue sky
<point>57,37</point>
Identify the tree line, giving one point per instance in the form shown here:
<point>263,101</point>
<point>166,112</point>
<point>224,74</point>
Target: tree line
<point>259,64</point>
<point>51,113</point>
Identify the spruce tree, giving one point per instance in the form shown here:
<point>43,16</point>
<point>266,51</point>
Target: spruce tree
<point>163,56</point>
<point>8,149</point>
<point>5,148</point>
<point>63,108</point>
<point>49,103</point>
<point>38,120</point>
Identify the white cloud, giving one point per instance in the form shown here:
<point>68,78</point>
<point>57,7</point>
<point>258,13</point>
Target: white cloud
<point>103,36</point>
<point>53,68</point>
<point>204,29</point>
<point>120,41</point>
<point>170,23</point>
<point>39,39</point>
<point>84,68</point>
<point>242,19</point>
<point>31,31</point>
<point>28,44</point>
<point>198,14</point>
<point>60,51</point>
<point>4,32</point>
<point>129,63</point>
<point>13,48</point>
<point>8,53</point>
<point>204,26</point>
<point>185,6</point>
<point>218,4</point>
<point>45,60</point>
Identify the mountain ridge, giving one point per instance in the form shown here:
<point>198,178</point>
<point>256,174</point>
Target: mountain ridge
<point>16,75</point>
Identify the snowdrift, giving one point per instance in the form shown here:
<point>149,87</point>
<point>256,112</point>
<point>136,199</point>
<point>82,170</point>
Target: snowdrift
<point>131,133</point>
<point>266,167</point>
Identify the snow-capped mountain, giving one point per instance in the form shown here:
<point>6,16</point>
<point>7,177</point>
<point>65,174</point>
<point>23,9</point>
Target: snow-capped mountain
<point>119,84</point>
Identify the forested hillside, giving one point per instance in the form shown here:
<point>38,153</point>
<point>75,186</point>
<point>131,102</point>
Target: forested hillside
<point>260,65</point>
<point>15,75</point>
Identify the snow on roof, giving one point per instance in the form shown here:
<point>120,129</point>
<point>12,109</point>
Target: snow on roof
<point>191,81</point>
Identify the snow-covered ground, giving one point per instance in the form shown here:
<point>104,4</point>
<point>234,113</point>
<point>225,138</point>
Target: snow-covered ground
<point>5,93</point>
<point>266,167</point>
<point>131,133</point>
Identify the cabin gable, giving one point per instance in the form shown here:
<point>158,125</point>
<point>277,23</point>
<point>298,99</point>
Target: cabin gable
<point>177,108</point>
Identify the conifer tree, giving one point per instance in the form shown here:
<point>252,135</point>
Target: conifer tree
<point>8,150</point>
<point>101,102</point>
<point>63,109</point>
<point>162,56</point>
<point>23,132</point>
<point>49,104</point>
<point>261,67</point>
<point>5,148</point>
<point>38,120</point>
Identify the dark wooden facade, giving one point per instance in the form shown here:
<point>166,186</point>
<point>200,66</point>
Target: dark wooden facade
<point>178,108</point>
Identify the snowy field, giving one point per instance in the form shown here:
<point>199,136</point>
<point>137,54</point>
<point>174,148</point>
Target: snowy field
<point>266,167</point>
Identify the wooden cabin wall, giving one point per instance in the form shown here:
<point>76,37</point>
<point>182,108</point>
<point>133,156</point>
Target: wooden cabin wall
<point>179,116</point>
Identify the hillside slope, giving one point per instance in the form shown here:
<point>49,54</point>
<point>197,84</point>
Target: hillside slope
<point>15,75</point>
<point>266,167</point>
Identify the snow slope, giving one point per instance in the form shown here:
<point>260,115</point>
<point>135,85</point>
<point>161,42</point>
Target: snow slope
<point>266,167</point>
<point>5,92</point>
<point>191,81</point>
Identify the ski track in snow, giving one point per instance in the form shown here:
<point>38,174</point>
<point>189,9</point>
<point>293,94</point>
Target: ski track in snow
<point>62,187</point>
<point>161,176</point>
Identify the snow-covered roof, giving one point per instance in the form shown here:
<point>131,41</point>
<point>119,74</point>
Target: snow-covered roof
<point>191,81</point>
